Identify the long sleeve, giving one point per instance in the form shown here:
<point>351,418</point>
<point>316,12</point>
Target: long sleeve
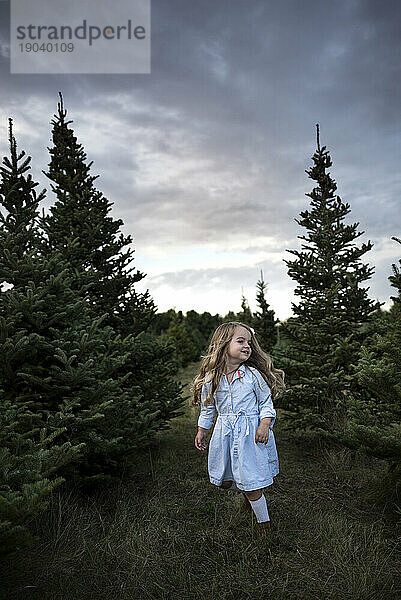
<point>207,412</point>
<point>264,397</point>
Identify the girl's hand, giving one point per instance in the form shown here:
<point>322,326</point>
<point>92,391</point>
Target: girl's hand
<point>200,440</point>
<point>262,434</point>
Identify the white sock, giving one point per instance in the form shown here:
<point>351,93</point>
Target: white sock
<point>259,507</point>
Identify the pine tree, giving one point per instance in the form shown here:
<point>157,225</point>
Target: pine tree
<point>101,257</point>
<point>29,454</point>
<point>245,315</point>
<point>98,263</point>
<point>56,356</point>
<point>327,330</point>
<point>374,410</point>
<point>264,320</point>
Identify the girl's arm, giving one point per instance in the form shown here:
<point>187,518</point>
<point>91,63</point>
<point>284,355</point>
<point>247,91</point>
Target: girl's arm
<point>207,413</point>
<point>263,394</point>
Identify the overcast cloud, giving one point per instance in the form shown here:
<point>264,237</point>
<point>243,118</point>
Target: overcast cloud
<point>205,158</point>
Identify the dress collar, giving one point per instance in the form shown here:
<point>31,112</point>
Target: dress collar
<point>239,373</point>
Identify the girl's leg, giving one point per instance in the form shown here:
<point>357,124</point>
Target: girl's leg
<point>258,503</point>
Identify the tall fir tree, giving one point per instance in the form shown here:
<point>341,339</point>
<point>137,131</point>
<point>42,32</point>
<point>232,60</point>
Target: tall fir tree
<point>327,330</point>
<point>264,320</point>
<point>54,355</point>
<point>374,410</point>
<point>29,452</point>
<point>98,262</point>
<point>101,256</point>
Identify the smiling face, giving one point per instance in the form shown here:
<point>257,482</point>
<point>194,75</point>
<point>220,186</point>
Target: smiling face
<point>239,349</point>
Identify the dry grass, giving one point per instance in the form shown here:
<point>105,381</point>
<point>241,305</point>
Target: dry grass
<point>168,533</point>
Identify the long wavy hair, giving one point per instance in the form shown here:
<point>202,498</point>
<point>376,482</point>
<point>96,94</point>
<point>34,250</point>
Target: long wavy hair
<point>215,363</point>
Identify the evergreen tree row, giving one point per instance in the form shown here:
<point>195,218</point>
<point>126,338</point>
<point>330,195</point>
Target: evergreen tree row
<point>190,334</point>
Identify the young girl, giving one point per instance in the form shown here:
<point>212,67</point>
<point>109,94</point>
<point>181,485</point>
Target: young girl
<point>237,378</point>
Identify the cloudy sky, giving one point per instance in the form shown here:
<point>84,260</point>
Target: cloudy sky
<point>205,158</point>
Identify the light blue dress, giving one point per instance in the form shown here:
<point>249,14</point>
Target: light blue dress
<point>233,453</point>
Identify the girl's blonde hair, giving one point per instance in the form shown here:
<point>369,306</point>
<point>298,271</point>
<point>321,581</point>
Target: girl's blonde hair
<point>215,362</point>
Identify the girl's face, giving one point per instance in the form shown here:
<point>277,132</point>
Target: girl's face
<point>239,349</point>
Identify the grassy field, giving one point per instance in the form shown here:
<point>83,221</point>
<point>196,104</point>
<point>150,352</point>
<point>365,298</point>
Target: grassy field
<point>168,533</point>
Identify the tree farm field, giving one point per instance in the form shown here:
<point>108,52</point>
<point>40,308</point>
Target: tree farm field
<point>166,532</point>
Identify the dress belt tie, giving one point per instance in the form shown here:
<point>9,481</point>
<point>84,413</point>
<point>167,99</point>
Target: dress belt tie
<point>230,426</point>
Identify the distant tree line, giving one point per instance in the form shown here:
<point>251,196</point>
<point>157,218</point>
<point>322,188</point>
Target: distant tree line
<point>191,333</point>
